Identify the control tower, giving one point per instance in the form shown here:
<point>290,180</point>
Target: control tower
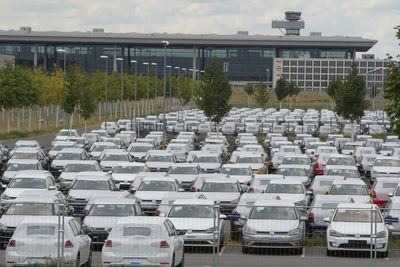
<point>292,23</point>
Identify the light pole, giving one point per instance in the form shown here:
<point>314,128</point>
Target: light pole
<point>122,86</point>
<point>191,99</point>
<point>184,76</point>
<point>106,108</point>
<point>267,70</point>
<point>179,73</point>
<point>63,51</point>
<point>165,44</point>
<point>148,74</point>
<point>170,85</point>
<point>134,103</point>
<point>155,106</point>
<point>366,84</point>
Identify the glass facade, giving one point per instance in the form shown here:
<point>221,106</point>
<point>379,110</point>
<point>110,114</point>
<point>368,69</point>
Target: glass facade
<point>314,53</point>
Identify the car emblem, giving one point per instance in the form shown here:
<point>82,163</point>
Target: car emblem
<point>357,236</point>
<point>272,233</point>
<point>189,231</point>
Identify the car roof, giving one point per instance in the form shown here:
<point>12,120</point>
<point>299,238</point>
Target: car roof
<point>332,198</point>
<point>193,201</point>
<point>387,157</point>
<point>110,200</point>
<point>285,181</point>
<point>160,152</point>
<point>328,177</point>
<point>151,220</point>
<point>32,174</point>
<point>86,162</point>
<point>83,176</point>
<point>154,178</point>
<point>274,202</point>
<point>115,151</point>
<point>131,164</point>
<point>184,165</point>
<point>349,181</point>
<point>220,180</point>
<point>236,165</point>
<point>27,149</point>
<point>22,161</point>
<point>357,205</point>
<point>69,150</point>
<point>35,199</point>
<point>388,179</point>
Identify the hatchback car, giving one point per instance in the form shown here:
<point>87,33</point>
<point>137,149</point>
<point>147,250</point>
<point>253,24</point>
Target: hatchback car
<point>16,165</point>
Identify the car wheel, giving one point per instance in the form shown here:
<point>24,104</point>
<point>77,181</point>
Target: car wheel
<point>383,254</point>
<point>245,250</point>
<point>329,252</point>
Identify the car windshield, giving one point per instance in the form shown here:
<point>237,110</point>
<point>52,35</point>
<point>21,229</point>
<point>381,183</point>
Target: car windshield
<point>60,147</point>
<point>285,188</point>
<point>249,160</point>
<point>296,161</point>
<point>90,185</point>
<point>102,148</point>
<point>236,171</point>
<point>349,147</point>
<point>292,172</point>
<point>68,156</point>
<point>340,161</point>
<point>160,158</point>
<point>347,173</point>
<point>175,148</point>
<point>183,170</point>
<point>220,187</point>
<point>349,189</point>
<point>206,159</point>
<point>157,186</point>
<point>273,213</point>
<point>140,148</point>
<point>129,169</point>
<point>79,168</point>
<point>191,211</point>
<point>31,183</point>
<point>24,155</point>
<point>357,215</point>
<point>387,162</point>
<point>22,167</point>
<point>112,210</point>
<point>30,209</point>
<point>40,230</point>
<point>115,157</point>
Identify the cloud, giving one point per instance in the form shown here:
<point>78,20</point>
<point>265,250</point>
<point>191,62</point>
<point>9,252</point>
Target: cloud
<point>373,19</point>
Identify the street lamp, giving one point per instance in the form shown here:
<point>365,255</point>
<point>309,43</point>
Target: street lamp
<point>366,83</point>
<point>134,104</point>
<point>155,106</point>
<point>267,70</point>
<point>122,85</point>
<point>165,44</point>
<point>191,100</point>
<point>148,74</point>
<point>63,51</point>
<point>179,73</point>
<point>170,85</point>
<point>106,109</point>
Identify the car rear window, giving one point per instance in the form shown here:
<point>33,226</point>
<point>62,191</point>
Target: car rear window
<point>40,230</point>
<point>389,185</point>
<point>136,231</point>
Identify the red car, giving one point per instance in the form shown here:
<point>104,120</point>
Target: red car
<point>381,188</point>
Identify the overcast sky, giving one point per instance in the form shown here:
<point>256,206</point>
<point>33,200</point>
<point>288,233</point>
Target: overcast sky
<point>373,19</point>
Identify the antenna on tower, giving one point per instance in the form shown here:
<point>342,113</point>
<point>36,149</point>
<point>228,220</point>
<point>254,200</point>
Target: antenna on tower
<point>292,23</point>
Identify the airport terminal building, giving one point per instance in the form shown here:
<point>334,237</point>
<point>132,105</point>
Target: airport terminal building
<point>245,57</point>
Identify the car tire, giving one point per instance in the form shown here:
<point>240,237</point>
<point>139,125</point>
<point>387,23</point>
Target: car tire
<point>245,250</point>
<point>383,254</point>
<point>329,252</point>
<point>78,260</point>
<point>173,260</point>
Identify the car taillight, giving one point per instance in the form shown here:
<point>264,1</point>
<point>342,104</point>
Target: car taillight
<point>68,244</point>
<point>311,215</point>
<point>222,154</point>
<point>132,187</point>
<point>251,189</point>
<point>85,211</point>
<point>12,243</point>
<point>186,153</point>
<point>236,212</point>
<point>193,189</point>
<point>389,216</point>
<point>158,212</point>
<point>109,244</point>
<point>271,163</point>
<point>316,165</point>
<point>164,244</point>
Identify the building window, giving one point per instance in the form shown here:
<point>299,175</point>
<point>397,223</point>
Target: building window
<point>308,83</point>
<point>301,62</point>
<point>324,70</point>
<point>324,63</point>
<point>301,76</point>
<point>347,70</point>
<point>331,77</point>
<point>308,63</point>
<point>286,63</point>
<point>363,64</point>
<point>317,77</point>
<point>300,83</point>
<point>332,70</point>
<point>339,70</point>
<point>285,69</point>
<point>340,63</point>
<point>348,63</point>
<point>317,63</point>
<point>324,77</point>
<point>309,70</point>
<point>371,64</point>
<point>293,76</point>
<point>286,76</point>
<point>293,62</point>
<point>301,69</point>
<point>317,70</point>
<point>362,70</point>
<point>293,69</point>
<point>324,84</point>
<point>378,64</point>
<point>332,63</point>
<point>316,84</point>
<point>309,77</point>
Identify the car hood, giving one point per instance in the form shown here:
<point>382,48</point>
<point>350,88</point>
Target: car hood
<point>386,170</point>
<point>241,179</point>
<point>124,176</point>
<point>9,174</point>
<point>59,162</point>
<point>15,192</point>
<point>159,165</point>
<point>69,176</point>
<point>14,220</point>
<point>101,221</point>
<point>221,196</point>
<point>109,164</point>
<point>355,228</point>
<point>290,197</point>
<point>83,194</point>
<point>183,177</point>
<point>303,179</point>
<point>272,225</point>
<point>151,195</point>
<point>256,166</point>
<point>361,199</point>
<point>192,223</point>
<point>138,154</point>
<point>209,166</point>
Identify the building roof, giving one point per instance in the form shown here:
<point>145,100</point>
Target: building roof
<point>179,39</point>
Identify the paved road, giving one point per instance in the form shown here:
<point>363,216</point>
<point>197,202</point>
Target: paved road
<point>232,257</point>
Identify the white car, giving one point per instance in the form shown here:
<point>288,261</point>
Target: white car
<point>179,150</point>
<point>185,173</point>
<point>73,168</point>
<point>208,162</point>
<point>139,151</point>
<point>109,159</point>
<point>241,172</point>
<point>159,160</point>
<point>349,229</point>
<point>385,167</point>
<point>125,173</point>
<point>110,127</point>
<point>35,242</point>
<point>148,241</point>
<point>16,165</point>
<point>356,188</point>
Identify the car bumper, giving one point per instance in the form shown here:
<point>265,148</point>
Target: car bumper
<point>110,259</point>
<point>199,239</point>
<point>17,259</point>
<point>360,244</point>
<point>273,241</point>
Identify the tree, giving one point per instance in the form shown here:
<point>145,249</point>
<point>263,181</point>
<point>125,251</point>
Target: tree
<point>261,95</point>
<point>87,102</point>
<point>281,90</point>
<point>392,91</point>
<point>332,87</point>
<point>249,89</point>
<point>214,92</point>
<point>350,98</point>
<point>293,90</point>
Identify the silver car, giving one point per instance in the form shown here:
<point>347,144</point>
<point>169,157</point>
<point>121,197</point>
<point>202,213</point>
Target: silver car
<point>273,224</point>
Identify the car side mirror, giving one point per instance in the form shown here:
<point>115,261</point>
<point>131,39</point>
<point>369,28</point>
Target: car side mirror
<point>390,194</point>
<point>327,219</point>
<point>181,232</point>
<point>108,229</point>
<point>52,187</point>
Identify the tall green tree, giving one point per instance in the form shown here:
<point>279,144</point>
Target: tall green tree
<point>214,92</point>
<point>392,91</point>
<point>261,94</point>
<point>350,98</point>
<point>293,91</point>
<point>249,89</point>
<point>281,90</point>
<point>87,102</point>
<point>74,81</point>
<point>332,87</point>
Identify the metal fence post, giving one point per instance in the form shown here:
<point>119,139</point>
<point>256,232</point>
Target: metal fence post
<point>215,233</point>
<point>370,247</point>
<point>62,233</point>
